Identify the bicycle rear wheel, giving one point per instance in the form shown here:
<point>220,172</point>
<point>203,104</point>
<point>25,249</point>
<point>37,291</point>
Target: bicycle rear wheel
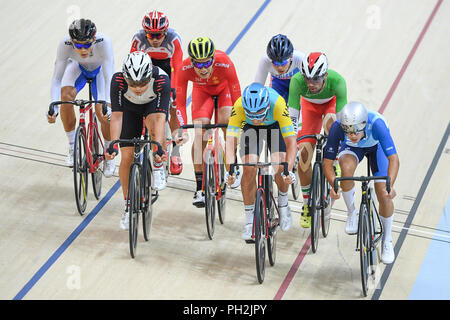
<point>147,210</point>
<point>295,187</point>
<point>80,170</point>
<point>260,236</point>
<point>210,194</point>
<point>315,207</point>
<point>97,153</point>
<point>134,196</point>
<point>221,203</point>
<point>364,247</point>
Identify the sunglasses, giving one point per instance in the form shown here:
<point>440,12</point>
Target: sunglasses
<point>200,65</point>
<point>260,115</point>
<point>354,128</point>
<point>139,84</point>
<point>80,46</point>
<point>156,35</point>
<point>280,63</point>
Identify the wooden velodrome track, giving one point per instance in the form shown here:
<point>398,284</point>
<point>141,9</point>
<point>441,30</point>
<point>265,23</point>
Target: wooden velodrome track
<point>394,57</point>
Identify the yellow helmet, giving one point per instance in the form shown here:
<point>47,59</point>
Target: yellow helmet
<point>201,48</point>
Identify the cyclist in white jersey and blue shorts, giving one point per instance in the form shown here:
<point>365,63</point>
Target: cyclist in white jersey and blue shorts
<point>83,54</point>
<point>360,132</point>
<point>281,61</point>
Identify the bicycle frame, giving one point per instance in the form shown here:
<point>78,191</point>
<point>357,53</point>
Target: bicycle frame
<point>321,141</point>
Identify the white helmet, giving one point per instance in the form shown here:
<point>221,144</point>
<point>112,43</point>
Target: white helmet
<point>314,65</point>
<point>353,117</point>
<point>137,67</point>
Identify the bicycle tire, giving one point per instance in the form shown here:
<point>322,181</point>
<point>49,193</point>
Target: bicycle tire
<point>260,229</point>
<point>364,245</point>
<point>295,187</point>
<point>80,170</point>
<point>221,203</point>
<point>315,205</point>
<point>134,197</point>
<point>326,208</point>
<point>169,148</point>
<point>97,152</point>
<point>210,194</point>
<point>272,237</point>
<point>147,210</point>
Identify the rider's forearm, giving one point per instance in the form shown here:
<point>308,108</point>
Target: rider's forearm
<point>394,165</point>
<point>291,151</point>
<point>230,151</point>
<point>115,125</point>
<point>328,170</point>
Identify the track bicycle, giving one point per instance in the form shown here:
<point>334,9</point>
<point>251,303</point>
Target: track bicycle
<point>88,151</point>
<point>213,185</point>
<point>319,201</point>
<point>140,183</point>
<point>370,228</point>
<point>266,218</point>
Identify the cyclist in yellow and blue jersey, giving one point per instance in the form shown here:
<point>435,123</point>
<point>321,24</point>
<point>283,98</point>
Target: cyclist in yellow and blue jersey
<point>263,116</point>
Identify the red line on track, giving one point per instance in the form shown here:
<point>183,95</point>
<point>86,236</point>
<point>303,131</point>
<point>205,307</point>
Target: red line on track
<point>307,244</point>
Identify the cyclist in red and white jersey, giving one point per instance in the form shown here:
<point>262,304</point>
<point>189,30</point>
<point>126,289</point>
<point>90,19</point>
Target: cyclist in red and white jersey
<point>81,55</point>
<point>213,74</point>
<point>163,45</point>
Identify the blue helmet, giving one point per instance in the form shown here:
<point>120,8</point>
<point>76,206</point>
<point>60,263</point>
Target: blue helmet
<point>255,100</point>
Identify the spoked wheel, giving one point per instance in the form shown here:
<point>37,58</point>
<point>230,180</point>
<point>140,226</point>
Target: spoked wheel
<point>272,237</point>
<point>326,211</point>
<point>97,153</point>
<point>221,203</point>
<point>210,195</point>
<point>80,170</point>
<point>147,210</point>
<point>295,187</point>
<point>134,196</point>
<point>364,247</point>
<point>260,236</point>
<point>315,205</point>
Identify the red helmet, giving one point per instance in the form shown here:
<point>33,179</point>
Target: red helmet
<point>155,21</point>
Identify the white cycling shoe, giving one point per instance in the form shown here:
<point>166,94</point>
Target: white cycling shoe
<point>351,226</point>
<point>125,221</point>
<point>69,158</point>
<point>285,218</point>
<point>387,252</point>
<point>109,167</point>
<point>159,178</point>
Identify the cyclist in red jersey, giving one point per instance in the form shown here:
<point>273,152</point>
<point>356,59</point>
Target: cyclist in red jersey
<point>213,74</point>
<point>163,45</point>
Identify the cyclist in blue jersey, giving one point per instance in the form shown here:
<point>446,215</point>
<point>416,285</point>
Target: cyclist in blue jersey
<point>360,132</point>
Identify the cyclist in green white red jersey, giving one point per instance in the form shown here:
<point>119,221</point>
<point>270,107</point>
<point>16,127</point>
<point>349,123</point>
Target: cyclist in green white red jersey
<point>318,93</point>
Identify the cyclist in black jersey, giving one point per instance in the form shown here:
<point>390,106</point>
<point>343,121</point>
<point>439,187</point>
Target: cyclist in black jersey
<point>140,90</point>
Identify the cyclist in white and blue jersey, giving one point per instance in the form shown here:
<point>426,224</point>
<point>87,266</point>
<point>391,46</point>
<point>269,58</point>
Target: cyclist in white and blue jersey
<point>360,132</point>
<point>81,55</point>
<point>281,62</point>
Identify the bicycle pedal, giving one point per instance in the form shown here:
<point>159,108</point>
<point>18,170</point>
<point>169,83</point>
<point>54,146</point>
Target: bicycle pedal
<point>252,241</point>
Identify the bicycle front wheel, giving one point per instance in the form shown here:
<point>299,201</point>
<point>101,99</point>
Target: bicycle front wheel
<point>97,153</point>
<point>221,203</point>
<point>210,194</point>
<point>147,210</point>
<point>364,246</point>
<point>134,196</point>
<point>80,170</point>
<point>315,207</point>
<point>260,235</point>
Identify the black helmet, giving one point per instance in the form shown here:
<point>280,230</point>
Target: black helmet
<point>82,30</point>
<point>279,48</point>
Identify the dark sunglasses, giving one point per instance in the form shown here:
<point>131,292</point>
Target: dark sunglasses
<point>200,65</point>
<point>280,63</point>
<point>80,46</point>
<point>156,35</point>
